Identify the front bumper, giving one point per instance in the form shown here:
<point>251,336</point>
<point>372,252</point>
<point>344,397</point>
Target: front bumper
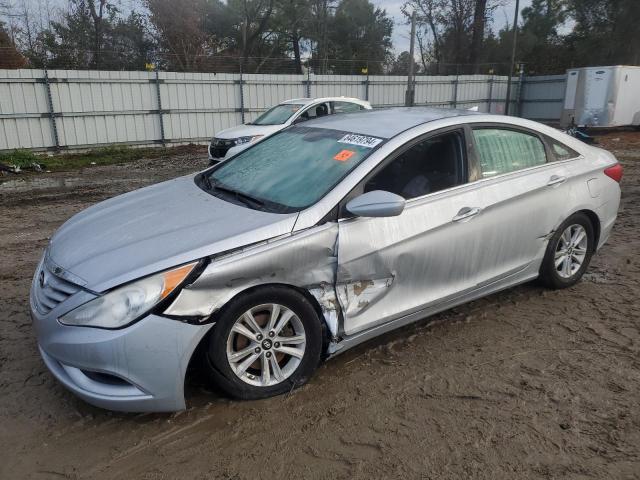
<point>140,368</point>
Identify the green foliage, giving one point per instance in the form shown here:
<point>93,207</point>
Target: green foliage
<point>19,158</point>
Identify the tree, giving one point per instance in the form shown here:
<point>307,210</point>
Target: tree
<point>292,20</point>
<point>360,37</point>
<point>540,45</point>
<point>9,55</point>
<point>181,35</point>
<point>606,32</point>
<point>400,65</point>
<point>70,43</point>
<point>477,36</point>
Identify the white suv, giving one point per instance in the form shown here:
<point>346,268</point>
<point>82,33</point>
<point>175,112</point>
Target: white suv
<point>230,141</point>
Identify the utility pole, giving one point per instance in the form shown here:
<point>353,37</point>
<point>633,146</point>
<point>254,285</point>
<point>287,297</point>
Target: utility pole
<point>410,95</point>
<point>513,57</point>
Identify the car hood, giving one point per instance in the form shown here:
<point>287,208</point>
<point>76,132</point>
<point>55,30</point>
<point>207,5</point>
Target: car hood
<point>156,228</point>
<point>248,131</point>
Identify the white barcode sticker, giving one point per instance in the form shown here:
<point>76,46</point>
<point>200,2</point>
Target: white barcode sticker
<point>360,140</point>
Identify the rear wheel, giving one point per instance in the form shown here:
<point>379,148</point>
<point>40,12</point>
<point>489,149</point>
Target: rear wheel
<point>568,253</point>
<point>265,343</point>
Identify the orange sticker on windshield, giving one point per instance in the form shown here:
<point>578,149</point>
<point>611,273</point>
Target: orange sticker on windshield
<point>344,155</point>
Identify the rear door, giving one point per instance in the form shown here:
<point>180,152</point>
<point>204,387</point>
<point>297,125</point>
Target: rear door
<point>522,194</point>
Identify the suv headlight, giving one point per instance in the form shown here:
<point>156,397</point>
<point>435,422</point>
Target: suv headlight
<point>123,305</point>
<point>251,139</point>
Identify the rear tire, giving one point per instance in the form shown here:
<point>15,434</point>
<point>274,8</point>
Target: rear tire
<point>569,252</point>
<point>265,343</point>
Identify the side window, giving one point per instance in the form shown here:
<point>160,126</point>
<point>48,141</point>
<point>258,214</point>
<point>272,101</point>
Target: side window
<point>561,151</point>
<point>429,166</point>
<point>346,107</point>
<point>503,151</point>
<point>315,111</point>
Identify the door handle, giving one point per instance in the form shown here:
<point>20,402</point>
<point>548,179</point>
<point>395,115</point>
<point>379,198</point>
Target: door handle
<point>466,212</point>
<point>556,180</point>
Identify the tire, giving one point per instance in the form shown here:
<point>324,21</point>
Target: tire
<point>273,372</point>
<point>573,264</point>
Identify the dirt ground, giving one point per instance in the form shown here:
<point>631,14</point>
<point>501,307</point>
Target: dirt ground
<point>527,383</point>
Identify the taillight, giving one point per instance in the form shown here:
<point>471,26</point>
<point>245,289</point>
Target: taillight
<point>614,172</point>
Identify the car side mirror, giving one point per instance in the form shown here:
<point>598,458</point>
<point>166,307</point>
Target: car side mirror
<point>300,119</point>
<point>377,203</point>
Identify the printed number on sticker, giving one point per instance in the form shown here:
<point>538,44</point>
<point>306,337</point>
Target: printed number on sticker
<point>360,140</point>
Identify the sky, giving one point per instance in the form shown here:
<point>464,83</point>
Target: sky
<point>401,31</point>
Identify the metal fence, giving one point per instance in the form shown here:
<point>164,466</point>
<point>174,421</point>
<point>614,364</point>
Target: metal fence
<point>75,109</point>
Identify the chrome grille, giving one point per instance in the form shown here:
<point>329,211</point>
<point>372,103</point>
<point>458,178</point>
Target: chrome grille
<point>50,290</point>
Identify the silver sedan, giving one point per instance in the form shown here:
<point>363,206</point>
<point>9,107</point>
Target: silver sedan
<point>312,241</point>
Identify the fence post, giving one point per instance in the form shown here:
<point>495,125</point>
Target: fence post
<point>241,84</point>
<point>366,84</point>
<point>159,99</point>
<point>490,93</point>
<point>455,90</point>
<point>52,114</point>
<point>520,89</point>
<point>308,83</point>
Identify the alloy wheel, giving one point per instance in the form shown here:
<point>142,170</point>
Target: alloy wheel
<point>571,251</point>
<point>266,345</point>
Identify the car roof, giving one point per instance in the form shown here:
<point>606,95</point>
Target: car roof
<point>307,101</point>
<point>385,122</point>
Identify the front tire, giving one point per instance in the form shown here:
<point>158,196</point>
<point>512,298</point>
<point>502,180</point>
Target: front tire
<point>265,343</point>
<point>568,253</point>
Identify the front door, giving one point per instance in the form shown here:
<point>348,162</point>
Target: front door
<point>390,267</point>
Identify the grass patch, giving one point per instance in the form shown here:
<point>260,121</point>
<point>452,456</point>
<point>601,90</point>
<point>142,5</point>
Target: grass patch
<point>19,158</point>
<point>99,156</point>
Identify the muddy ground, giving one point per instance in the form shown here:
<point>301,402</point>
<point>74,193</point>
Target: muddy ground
<point>527,383</point>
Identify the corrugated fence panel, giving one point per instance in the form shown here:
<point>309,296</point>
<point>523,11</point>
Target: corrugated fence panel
<point>387,91</point>
<point>435,91</point>
<point>262,91</point>
<point>24,121</point>
<point>337,85</point>
<point>542,97</point>
<point>104,107</point>
<point>196,105</point>
<point>108,107</point>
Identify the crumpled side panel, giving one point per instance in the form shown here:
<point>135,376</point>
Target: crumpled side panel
<point>307,260</point>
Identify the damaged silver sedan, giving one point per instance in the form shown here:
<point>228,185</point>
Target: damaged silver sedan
<point>308,243</point>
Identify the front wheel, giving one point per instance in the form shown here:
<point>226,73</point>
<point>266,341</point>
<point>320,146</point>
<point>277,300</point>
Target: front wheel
<point>568,253</point>
<point>265,343</point>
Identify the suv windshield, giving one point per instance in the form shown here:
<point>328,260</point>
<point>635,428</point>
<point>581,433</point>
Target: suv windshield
<point>278,114</point>
<point>290,170</point>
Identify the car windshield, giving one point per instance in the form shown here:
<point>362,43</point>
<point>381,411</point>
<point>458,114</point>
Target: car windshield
<point>278,114</point>
<point>290,170</point>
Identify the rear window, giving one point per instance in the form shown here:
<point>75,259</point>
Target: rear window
<point>278,114</point>
<point>503,151</point>
<point>561,151</point>
<point>294,168</point>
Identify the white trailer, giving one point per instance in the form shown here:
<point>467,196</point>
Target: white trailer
<point>602,97</point>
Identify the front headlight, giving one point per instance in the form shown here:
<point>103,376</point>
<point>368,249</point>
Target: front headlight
<point>123,305</point>
<point>251,139</point>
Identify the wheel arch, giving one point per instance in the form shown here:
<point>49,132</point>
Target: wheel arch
<point>595,223</point>
<point>323,315</point>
